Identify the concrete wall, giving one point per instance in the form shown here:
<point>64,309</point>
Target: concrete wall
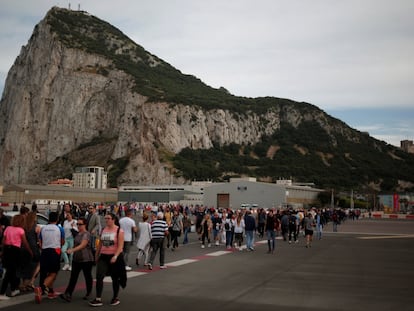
<point>265,195</point>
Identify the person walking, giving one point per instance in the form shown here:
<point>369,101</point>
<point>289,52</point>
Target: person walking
<point>206,227</point>
<point>159,230</point>
<point>93,225</point>
<point>292,227</point>
<point>250,228</point>
<point>82,261</point>
<point>144,240</point>
<point>110,261</point>
<point>51,239</point>
<point>186,226</point>
<point>229,228</point>
<point>176,228</point>
<point>217,223</point>
<point>284,224</point>
<point>271,228</point>
<point>13,239</point>
<point>30,266</point>
<point>320,222</point>
<point>70,227</point>
<point>239,228</point>
<point>167,218</point>
<point>335,221</point>
<point>261,219</point>
<point>309,224</point>
<point>130,229</point>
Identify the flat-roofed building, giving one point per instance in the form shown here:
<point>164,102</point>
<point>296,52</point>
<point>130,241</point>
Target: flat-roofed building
<point>250,193</point>
<point>93,177</point>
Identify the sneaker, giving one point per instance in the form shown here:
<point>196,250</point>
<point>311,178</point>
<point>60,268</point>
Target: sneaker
<point>128,268</point>
<point>163,267</point>
<point>4,297</point>
<point>65,297</point>
<point>115,302</point>
<point>209,245</point>
<point>38,294</point>
<point>150,266</point>
<point>202,246</point>
<point>70,268</point>
<point>15,293</point>
<point>217,243</point>
<point>65,267</point>
<point>96,303</point>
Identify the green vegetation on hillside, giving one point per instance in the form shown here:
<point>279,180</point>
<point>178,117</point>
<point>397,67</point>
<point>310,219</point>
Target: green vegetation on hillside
<point>306,155</point>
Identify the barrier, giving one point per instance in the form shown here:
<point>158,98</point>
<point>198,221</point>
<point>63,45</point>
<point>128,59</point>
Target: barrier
<point>380,215</point>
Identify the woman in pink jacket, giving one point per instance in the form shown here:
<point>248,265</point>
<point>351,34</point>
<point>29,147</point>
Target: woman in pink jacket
<point>14,238</point>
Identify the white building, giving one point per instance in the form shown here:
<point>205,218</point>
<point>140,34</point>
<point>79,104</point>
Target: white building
<point>93,177</point>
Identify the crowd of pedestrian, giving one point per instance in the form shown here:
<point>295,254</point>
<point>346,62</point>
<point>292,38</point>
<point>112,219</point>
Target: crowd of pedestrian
<point>76,240</point>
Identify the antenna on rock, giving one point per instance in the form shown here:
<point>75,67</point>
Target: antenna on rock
<point>69,6</point>
<point>78,6</point>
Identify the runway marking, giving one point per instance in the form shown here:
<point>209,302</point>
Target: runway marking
<point>386,237</point>
<point>219,253</point>
<point>180,262</point>
<point>135,273</point>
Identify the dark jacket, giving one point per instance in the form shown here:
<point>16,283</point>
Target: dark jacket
<point>249,223</point>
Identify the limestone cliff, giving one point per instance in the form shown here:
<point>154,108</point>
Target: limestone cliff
<point>82,93</point>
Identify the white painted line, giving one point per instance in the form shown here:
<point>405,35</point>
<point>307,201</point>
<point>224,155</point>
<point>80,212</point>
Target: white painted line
<point>180,262</point>
<point>386,237</point>
<point>131,274</point>
<point>218,253</point>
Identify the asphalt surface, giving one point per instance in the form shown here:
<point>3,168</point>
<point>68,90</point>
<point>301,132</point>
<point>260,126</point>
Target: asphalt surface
<point>367,265</point>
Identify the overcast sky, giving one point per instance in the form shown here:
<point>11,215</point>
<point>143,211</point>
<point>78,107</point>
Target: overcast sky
<point>352,58</point>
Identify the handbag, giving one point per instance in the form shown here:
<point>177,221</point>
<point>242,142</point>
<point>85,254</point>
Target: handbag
<point>74,232</point>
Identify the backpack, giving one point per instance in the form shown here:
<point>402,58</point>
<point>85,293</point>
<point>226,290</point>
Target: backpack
<point>227,226</point>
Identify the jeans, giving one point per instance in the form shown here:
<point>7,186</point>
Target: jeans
<point>127,247</point>
<point>271,240</point>
<point>229,238</point>
<point>68,244</point>
<point>319,231</point>
<point>157,244</point>
<point>186,231</point>
<point>249,239</point>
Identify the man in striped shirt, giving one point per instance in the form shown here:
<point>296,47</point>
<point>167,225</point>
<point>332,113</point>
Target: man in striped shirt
<point>159,229</point>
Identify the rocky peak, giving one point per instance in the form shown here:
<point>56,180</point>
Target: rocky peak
<point>82,93</point>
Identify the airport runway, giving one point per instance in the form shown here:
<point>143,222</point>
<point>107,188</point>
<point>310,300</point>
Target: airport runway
<point>367,265</point>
